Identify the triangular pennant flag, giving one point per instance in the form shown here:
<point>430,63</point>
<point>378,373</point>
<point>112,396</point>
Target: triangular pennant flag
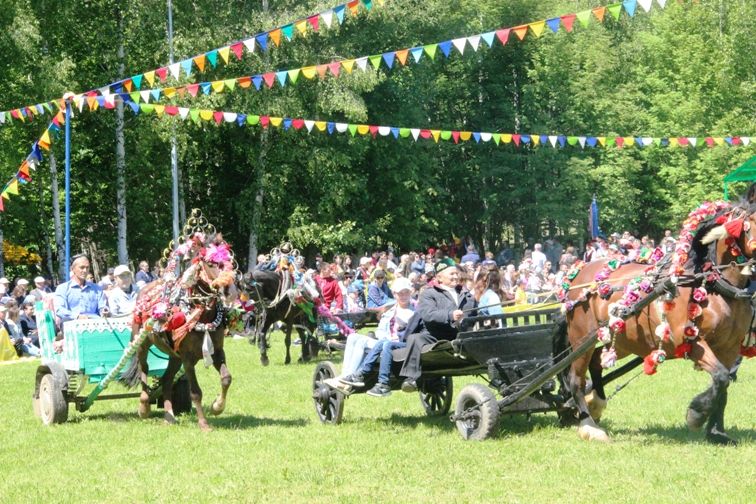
<point>309,124</point>
<point>341,127</point>
<point>281,76</point>
<point>599,13</point>
<point>474,41</point>
<point>568,20</point>
<point>127,84</point>
<point>353,129</point>
<point>553,140</point>
<point>186,65</point>
<point>200,62</point>
<point>314,22</point>
<point>445,47</point>
<point>553,24</point>
<point>175,70</point>
<point>301,26</point>
<point>193,89</point>
<point>630,6</point>
<point>362,63</point>
<point>486,137</point>
<point>288,31</point>
<point>335,68</point>
<point>224,52</point>
<point>354,7</point>
<point>309,72</point>
<point>646,4</point>
<point>415,133</point>
<point>159,109</point>
<point>745,140</point>
<point>12,188</point>
<point>395,132</point>
<point>183,112</point>
<point>691,140</point>
<point>339,11</point>
<point>348,65</point>
<point>503,35</point>
<point>615,10</point>
<point>384,130</point>
<point>402,56</point>
<point>488,38</point>
<point>520,31</point>
<point>375,60</point>
<point>155,94</point>
<point>430,50</point>
<point>276,121</point>
<point>388,58</point>
<point>212,57</point>
<point>229,117</point>
<point>294,75</point>
<point>476,136</point>
<point>250,44</point>
<point>661,3</point>
<point>581,141</point>
<point>195,115</point>
<point>262,41</point>
<point>321,125</point>
<point>327,17</point>
<point>584,18</point>
<point>536,139</point>
<point>496,138</point>
<point>237,49</point>
<point>417,53</point>
<point>602,141</point>
<point>45,137</point>
<point>537,27</point>
<point>436,134</point>
<point>404,132</point>
<point>218,116</point>
<point>269,79</point>
<point>460,44</point>
<point>137,80</point>
<point>275,36</point>
<point>230,84</point>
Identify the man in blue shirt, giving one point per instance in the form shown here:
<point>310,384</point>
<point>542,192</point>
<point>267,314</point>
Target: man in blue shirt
<point>78,298</point>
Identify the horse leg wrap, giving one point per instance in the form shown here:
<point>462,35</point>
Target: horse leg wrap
<point>596,405</point>
<point>589,431</point>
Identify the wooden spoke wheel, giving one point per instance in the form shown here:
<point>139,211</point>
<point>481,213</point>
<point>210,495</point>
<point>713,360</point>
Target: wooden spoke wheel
<point>436,395</point>
<point>476,413</point>
<point>329,403</point>
<point>52,405</point>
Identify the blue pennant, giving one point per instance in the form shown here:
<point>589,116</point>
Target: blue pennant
<point>257,81</point>
<point>395,132</point>
<point>525,139</point>
<point>134,107</point>
<point>206,87</point>
<point>137,80</point>
<point>591,141</point>
<point>262,41</point>
<point>630,6</point>
<point>281,76</point>
<point>562,140</point>
<point>36,152</point>
<point>155,93</point>
<point>388,57</point>
<point>330,127</point>
<point>417,53</point>
<point>212,57</point>
<point>476,136</point>
<point>339,13</point>
<point>488,38</point>
<point>286,123</point>
<point>186,65</point>
<point>553,24</point>
<point>445,47</point>
<point>543,139</point>
<point>241,119</point>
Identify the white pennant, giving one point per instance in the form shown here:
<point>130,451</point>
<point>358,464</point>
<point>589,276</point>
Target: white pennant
<point>646,4</point>
<point>309,124</point>
<point>32,163</point>
<point>341,127</point>
<point>460,44</point>
<point>661,3</point>
<point>474,42</point>
<point>745,140</point>
<point>693,141</point>
<point>2,118</point>
<point>327,17</point>
<point>145,96</point>
<point>175,70</point>
<point>110,100</point>
<point>183,112</point>
<point>104,91</point>
<point>384,130</point>
<point>581,140</point>
<point>250,44</point>
<point>229,117</point>
<point>552,140</point>
<point>486,137</point>
<point>362,63</point>
<point>415,133</point>
<point>79,101</point>
<point>646,141</point>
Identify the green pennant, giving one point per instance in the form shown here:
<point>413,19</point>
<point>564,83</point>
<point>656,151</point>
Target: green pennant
<point>230,84</point>
<point>353,129</point>
<point>147,108</point>
<point>294,75</point>
<point>657,141</point>
<point>572,140</point>
<point>135,96</point>
<point>610,141</point>
<point>615,10</point>
<point>430,50</point>
<point>375,60</point>
<point>288,31</point>
<point>404,132</point>
<point>584,18</point>
<point>48,107</point>
<point>137,81</point>
<point>194,114</point>
<point>445,135</point>
<point>368,4</point>
<point>253,119</point>
<point>212,57</point>
<point>496,137</point>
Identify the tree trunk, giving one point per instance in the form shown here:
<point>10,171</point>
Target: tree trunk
<point>123,251</point>
<point>56,217</point>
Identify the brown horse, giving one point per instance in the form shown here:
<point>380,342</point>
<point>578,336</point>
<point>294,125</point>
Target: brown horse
<point>198,334</point>
<point>672,317</point>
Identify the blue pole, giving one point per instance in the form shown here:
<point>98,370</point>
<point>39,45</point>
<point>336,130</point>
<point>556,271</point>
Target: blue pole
<point>68,189</point>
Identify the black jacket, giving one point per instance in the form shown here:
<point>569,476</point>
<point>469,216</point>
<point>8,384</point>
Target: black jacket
<point>434,313</point>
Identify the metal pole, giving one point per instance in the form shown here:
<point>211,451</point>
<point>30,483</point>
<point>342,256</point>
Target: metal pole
<point>174,145</point>
<point>68,189</point>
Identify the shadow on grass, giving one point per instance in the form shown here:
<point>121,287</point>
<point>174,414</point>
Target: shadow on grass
<point>680,434</point>
<point>221,422</point>
<point>413,422</point>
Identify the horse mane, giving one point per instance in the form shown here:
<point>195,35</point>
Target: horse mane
<point>711,230</point>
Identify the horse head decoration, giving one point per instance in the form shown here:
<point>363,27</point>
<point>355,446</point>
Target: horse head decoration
<point>690,304</point>
<point>184,313</point>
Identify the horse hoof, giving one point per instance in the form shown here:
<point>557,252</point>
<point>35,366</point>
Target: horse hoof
<point>169,418</point>
<point>589,431</point>
<point>264,361</point>
<point>205,427</point>
<point>720,438</point>
<point>596,405</point>
<point>144,411</point>
<point>695,420</point>
<point>217,408</point>
<point>287,361</point>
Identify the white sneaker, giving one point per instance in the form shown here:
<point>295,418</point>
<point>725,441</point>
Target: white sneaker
<point>334,383</point>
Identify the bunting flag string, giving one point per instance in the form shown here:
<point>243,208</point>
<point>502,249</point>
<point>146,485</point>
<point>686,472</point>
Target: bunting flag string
<point>387,60</point>
<point>256,43</point>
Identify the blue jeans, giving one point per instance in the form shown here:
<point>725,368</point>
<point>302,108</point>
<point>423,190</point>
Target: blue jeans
<point>383,350</point>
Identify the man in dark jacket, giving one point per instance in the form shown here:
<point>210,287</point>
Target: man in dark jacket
<point>439,310</point>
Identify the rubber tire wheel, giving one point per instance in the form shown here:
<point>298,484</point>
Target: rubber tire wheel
<point>53,408</point>
<point>329,403</point>
<point>182,400</point>
<point>483,425</point>
<point>436,395</point>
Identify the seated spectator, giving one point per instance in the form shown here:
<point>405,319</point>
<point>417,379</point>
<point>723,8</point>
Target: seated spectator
<point>329,288</point>
<point>353,302</point>
<point>486,292</point>
<point>19,293</point>
<point>521,295</point>
<point>122,296</point>
<point>9,316</point>
<point>144,275</point>
<point>377,296</point>
<point>40,289</point>
<point>107,280</point>
<point>418,264</point>
<point>390,334</point>
<point>28,323</point>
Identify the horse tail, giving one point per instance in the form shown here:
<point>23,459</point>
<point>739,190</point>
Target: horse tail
<point>130,377</point>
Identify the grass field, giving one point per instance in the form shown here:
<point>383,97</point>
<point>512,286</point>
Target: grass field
<point>269,447</point>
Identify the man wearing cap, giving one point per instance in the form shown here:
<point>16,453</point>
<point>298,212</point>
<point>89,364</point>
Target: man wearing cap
<point>40,289</point>
<point>439,310</point>
<point>122,297</point>
<point>79,298</point>
<point>21,290</point>
<point>391,335</point>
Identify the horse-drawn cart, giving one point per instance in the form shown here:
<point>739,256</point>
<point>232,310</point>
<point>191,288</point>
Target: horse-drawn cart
<point>94,351</point>
<point>521,353</point>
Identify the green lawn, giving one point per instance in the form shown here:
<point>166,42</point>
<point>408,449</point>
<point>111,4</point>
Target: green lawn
<point>269,446</point>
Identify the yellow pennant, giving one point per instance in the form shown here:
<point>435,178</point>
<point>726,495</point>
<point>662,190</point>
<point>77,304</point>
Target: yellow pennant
<point>159,109</point>
<point>218,86</point>
<point>13,187</point>
<point>224,52</point>
<point>276,121</point>
<point>506,138</point>
<point>169,92</point>
<point>348,65</point>
<point>629,141</point>
<point>309,72</point>
<point>206,115</point>
<point>321,125</point>
<point>436,134</point>
<point>465,135</point>
<point>301,26</point>
<point>150,76</point>
<point>602,141</point>
<point>535,139</point>
<point>537,27</point>
<point>363,129</point>
<point>45,137</point>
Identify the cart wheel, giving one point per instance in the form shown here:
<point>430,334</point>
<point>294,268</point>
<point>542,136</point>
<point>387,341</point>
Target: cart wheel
<point>329,403</point>
<point>477,412</point>
<point>182,401</point>
<point>436,395</point>
<point>53,407</point>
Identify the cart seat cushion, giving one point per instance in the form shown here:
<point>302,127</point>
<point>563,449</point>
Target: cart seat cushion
<point>400,354</point>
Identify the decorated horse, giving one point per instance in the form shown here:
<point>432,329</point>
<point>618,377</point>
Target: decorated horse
<point>184,313</point>
<point>691,304</point>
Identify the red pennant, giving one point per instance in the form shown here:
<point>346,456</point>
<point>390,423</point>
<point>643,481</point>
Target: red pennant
<point>109,104</point>
<point>735,140</point>
<point>503,35</point>
<point>567,21</point>
<point>709,141</point>
<point>619,141</point>
<point>425,133</point>
<point>373,130</point>
<point>193,89</point>
<point>314,22</point>
<point>162,73</point>
<point>516,140</point>
<point>171,110</point>
<point>322,69</point>
<point>297,123</point>
<point>2,208</point>
<point>683,141</point>
<point>264,121</point>
<point>335,68</point>
<point>269,79</point>
<point>455,136</point>
<point>237,49</point>
<point>218,116</point>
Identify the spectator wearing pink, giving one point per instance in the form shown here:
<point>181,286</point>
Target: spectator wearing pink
<point>329,288</point>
